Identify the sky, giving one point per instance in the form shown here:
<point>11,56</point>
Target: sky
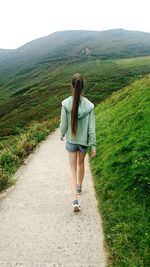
<point>22,21</point>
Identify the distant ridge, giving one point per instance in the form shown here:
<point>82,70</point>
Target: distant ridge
<point>75,45</point>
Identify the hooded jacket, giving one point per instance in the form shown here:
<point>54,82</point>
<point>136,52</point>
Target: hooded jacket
<point>86,122</point>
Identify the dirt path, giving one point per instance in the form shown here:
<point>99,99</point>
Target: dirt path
<point>37,225</point>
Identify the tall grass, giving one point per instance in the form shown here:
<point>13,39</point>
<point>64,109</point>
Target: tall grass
<point>121,173</point>
<point>16,148</point>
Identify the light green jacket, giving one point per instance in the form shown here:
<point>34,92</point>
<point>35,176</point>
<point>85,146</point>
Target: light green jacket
<point>86,122</point>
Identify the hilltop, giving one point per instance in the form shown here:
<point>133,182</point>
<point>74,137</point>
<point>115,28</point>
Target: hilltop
<point>74,45</point>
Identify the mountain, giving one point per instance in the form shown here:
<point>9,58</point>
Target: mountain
<point>36,77</point>
<point>5,53</point>
<point>36,94</point>
<point>74,45</point>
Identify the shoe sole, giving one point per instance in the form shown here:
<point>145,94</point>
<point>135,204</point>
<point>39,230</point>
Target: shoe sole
<point>76,208</point>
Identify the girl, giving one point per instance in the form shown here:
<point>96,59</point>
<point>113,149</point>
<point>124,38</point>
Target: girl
<point>78,124</point>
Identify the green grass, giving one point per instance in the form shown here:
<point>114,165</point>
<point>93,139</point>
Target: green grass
<point>121,173</point>
<point>37,94</point>
<point>32,88</point>
<point>30,110</point>
<point>66,46</point>
<point>14,149</point>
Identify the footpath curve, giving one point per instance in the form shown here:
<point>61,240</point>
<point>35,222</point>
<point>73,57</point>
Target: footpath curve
<point>37,225</point>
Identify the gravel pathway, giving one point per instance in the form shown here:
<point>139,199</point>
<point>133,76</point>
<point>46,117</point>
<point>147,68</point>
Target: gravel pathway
<point>37,225</point>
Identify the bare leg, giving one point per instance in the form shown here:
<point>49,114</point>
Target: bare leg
<point>73,173</point>
<point>80,166</point>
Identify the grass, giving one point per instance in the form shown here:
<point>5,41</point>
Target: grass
<point>37,94</point>
<point>31,93</point>
<point>16,148</point>
<point>121,173</point>
<point>30,110</point>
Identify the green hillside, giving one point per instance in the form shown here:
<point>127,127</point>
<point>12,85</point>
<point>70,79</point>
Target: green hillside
<point>121,173</point>
<point>35,78</point>
<point>37,94</point>
<point>74,45</point>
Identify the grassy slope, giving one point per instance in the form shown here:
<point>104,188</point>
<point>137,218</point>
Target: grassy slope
<point>121,173</point>
<point>37,94</point>
<point>14,150</point>
<point>67,45</point>
<point>121,167</point>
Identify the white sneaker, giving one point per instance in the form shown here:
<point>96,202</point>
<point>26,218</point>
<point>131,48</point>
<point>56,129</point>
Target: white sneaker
<point>76,205</point>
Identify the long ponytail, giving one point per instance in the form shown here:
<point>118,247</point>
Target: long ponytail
<point>77,83</point>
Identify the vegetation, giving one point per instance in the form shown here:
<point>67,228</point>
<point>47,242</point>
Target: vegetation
<point>74,45</point>
<point>18,147</point>
<point>35,78</point>
<point>121,173</point>
<point>37,94</point>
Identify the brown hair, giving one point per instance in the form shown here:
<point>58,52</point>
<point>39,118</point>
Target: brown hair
<point>77,84</point>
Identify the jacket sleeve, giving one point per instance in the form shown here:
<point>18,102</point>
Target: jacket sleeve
<point>91,130</point>
<point>63,122</point>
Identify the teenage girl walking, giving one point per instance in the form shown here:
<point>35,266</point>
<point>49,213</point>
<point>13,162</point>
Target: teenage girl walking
<point>78,125</point>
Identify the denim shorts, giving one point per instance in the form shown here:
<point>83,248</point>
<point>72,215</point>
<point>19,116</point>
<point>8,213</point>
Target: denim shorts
<point>74,147</point>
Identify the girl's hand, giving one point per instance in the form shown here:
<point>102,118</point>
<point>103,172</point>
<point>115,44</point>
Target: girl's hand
<point>93,153</point>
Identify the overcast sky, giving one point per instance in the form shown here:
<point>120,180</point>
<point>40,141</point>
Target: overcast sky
<point>24,20</point>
